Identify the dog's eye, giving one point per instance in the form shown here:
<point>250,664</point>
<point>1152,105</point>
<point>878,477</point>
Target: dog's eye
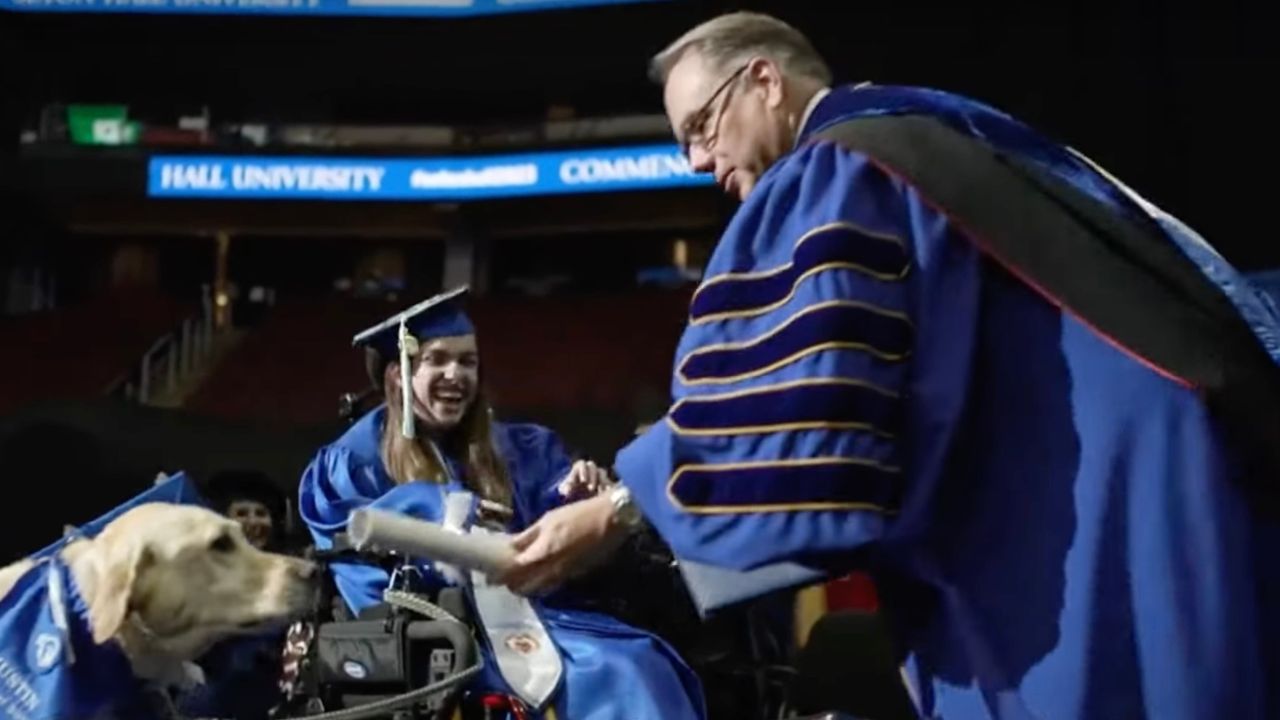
<point>223,544</point>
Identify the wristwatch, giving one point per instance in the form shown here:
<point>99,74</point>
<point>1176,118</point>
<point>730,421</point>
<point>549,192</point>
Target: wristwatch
<point>624,508</point>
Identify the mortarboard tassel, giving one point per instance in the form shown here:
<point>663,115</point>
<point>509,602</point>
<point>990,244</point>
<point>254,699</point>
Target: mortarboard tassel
<point>408,348</point>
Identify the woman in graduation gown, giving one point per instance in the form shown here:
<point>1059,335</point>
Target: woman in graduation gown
<point>608,669</point>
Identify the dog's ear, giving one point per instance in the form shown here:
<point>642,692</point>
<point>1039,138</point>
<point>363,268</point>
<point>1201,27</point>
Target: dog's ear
<point>117,573</point>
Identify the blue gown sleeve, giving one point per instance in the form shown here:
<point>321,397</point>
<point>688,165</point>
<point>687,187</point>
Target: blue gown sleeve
<point>330,489</point>
<point>538,460</point>
<point>782,442</point>
<point>336,483</point>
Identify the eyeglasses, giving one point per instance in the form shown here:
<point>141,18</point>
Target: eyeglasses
<point>693,131</point>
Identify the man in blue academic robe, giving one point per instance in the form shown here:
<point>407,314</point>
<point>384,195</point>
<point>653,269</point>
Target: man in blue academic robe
<point>936,345</point>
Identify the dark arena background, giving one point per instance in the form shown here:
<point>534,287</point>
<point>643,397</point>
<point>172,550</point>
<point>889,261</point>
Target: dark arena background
<point>170,299</point>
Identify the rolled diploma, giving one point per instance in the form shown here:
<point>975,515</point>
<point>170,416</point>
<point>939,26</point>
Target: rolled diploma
<point>488,553</point>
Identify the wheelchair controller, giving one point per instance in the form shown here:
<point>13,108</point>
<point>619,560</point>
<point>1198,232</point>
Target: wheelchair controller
<point>405,659</point>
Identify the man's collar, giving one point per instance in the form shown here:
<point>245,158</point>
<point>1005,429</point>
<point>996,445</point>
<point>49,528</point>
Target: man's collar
<point>808,111</point>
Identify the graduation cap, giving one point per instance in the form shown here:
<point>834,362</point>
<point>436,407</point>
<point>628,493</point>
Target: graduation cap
<point>403,333</point>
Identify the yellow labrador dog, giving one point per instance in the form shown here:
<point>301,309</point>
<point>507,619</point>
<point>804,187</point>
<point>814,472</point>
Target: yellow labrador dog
<point>165,582</point>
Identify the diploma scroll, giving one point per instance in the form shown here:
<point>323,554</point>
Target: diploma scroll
<point>487,553</point>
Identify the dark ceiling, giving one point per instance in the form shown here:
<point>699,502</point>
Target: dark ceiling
<point>502,68</point>
<point>1168,97</point>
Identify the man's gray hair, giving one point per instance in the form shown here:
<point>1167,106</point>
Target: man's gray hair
<point>732,39</point>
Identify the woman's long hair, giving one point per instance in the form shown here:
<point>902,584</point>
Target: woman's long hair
<point>408,459</point>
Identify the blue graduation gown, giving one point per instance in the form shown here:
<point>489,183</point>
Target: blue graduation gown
<point>1056,521</point>
<point>611,670</point>
<point>50,671</point>
<point>240,672</point>
<point>40,677</point>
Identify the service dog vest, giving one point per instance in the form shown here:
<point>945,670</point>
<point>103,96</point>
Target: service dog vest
<point>50,667</point>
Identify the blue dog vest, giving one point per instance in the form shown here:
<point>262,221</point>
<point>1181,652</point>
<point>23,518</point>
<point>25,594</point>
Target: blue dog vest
<point>50,667</point>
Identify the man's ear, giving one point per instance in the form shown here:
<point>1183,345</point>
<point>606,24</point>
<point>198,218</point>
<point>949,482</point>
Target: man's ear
<point>117,575</point>
<point>765,74</point>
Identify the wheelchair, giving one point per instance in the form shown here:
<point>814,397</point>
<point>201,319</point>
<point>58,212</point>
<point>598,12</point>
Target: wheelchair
<point>412,657</point>
<point>408,658</point>
<point>746,668</point>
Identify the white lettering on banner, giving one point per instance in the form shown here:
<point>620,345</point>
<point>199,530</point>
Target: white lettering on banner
<point>622,169</point>
<point>282,178</point>
<point>232,4</point>
<point>36,4</point>
<point>179,176</point>
<point>485,177</point>
<point>307,178</point>
<point>18,688</point>
<point>246,4</point>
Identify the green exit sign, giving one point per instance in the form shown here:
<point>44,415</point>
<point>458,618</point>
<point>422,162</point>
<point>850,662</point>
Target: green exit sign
<point>102,125</point>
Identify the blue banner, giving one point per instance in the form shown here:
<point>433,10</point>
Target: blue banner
<point>446,179</point>
<point>400,8</point>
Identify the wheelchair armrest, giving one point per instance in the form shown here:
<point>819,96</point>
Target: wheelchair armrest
<point>456,634</point>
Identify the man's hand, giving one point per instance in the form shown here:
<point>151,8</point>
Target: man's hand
<point>563,543</point>
<point>585,479</point>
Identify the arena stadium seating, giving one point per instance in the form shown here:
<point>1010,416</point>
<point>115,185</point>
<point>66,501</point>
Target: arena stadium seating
<point>540,355</point>
<point>79,352</point>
